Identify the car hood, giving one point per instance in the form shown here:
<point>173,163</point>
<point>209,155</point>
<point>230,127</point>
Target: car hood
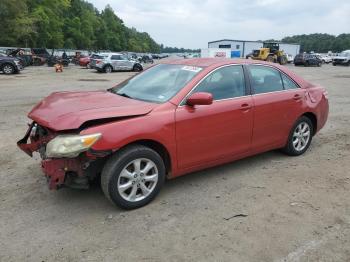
<point>69,110</point>
<point>342,57</point>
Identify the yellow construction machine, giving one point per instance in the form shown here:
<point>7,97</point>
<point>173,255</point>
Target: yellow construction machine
<point>270,52</point>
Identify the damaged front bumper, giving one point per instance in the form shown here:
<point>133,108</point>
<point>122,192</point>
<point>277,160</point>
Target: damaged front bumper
<point>71,172</point>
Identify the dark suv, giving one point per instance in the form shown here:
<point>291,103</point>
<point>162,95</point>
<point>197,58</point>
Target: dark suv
<point>307,60</point>
<point>9,65</point>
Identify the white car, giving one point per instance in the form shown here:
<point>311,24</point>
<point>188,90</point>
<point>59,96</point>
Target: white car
<point>325,58</point>
<point>290,58</point>
<point>342,59</point>
<point>109,62</point>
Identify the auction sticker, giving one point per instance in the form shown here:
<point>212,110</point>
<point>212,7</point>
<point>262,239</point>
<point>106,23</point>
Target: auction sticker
<point>192,68</point>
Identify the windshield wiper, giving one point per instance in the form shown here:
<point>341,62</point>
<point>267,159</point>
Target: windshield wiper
<point>123,94</point>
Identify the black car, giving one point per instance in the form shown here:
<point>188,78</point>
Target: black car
<point>9,65</point>
<point>307,60</point>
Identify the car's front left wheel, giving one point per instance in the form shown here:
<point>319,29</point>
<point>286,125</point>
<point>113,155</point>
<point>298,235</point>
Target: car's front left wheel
<point>133,176</point>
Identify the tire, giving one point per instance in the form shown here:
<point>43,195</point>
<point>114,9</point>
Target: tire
<point>108,69</point>
<point>137,68</point>
<point>297,134</point>
<point>124,186</point>
<point>270,59</point>
<point>8,69</point>
<point>282,60</point>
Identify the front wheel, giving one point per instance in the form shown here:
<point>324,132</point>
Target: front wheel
<point>300,137</point>
<point>133,177</point>
<point>8,69</point>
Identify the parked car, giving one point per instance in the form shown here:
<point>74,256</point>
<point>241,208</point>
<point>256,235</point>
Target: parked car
<point>39,56</point>
<point>147,59</point>
<point>326,59</point>
<point>85,61</point>
<point>172,119</point>
<point>342,59</point>
<point>307,60</point>
<point>290,58</point>
<point>9,65</point>
<point>114,62</point>
<point>22,55</point>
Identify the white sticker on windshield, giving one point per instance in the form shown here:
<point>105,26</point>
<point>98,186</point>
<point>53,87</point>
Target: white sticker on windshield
<point>192,68</point>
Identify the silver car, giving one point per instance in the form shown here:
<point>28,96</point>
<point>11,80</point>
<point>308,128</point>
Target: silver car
<point>110,62</point>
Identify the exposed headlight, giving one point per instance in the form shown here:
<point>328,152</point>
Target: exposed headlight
<point>17,62</point>
<point>70,145</point>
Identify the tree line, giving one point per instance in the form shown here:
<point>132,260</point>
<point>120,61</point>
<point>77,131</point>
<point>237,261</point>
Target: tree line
<point>320,43</point>
<point>71,24</point>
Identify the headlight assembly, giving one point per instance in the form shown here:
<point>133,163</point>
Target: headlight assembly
<point>70,145</point>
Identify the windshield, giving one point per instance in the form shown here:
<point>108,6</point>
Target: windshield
<point>158,84</point>
<point>346,54</point>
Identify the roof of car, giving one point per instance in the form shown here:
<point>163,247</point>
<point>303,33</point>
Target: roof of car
<point>205,62</point>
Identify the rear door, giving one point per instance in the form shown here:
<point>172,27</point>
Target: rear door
<point>278,102</point>
<point>224,128</point>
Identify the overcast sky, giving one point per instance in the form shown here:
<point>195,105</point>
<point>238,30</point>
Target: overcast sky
<point>192,23</point>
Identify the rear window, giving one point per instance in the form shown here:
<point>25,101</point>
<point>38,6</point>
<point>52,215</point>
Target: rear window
<point>265,79</point>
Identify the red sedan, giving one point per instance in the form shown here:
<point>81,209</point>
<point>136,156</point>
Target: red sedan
<point>85,61</point>
<point>172,119</point>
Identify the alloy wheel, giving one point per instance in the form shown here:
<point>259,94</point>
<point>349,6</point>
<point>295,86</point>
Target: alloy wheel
<point>301,136</point>
<point>8,69</point>
<point>108,69</point>
<point>137,179</point>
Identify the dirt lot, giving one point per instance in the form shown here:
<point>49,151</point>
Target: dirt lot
<point>297,208</point>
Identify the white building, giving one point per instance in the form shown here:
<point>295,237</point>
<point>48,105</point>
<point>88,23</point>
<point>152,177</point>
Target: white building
<point>241,48</point>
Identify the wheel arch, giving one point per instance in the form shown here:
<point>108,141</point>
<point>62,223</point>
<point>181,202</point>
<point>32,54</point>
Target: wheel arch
<point>158,147</point>
<point>313,119</point>
<point>6,63</point>
<point>107,65</point>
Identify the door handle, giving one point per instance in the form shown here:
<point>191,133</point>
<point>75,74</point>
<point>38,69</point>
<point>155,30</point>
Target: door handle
<point>297,97</point>
<point>246,106</point>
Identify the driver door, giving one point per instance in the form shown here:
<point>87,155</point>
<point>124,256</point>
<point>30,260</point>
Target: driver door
<point>206,133</point>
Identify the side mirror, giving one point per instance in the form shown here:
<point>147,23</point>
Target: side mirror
<point>200,98</point>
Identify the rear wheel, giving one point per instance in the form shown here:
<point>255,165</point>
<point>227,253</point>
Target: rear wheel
<point>133,177</point>
<point>108,69</point>
<point>300,137</point>
<point>137,68</point>
<point>8,69</point>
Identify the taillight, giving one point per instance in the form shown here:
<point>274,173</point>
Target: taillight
<point>325,94</point>
<point>98,61</point>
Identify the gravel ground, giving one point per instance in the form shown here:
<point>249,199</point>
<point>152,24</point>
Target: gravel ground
<point>269,207</point>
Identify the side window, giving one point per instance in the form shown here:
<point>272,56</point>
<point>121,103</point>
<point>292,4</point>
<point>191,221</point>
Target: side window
<point>226,82</point>
<point>116,57</point>
<point>288,83</point>
<point>265,79</point>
